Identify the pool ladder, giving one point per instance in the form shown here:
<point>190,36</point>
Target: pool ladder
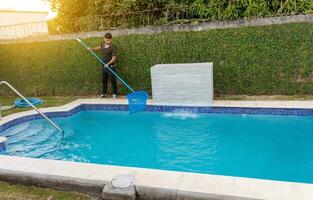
<point>43,115</point>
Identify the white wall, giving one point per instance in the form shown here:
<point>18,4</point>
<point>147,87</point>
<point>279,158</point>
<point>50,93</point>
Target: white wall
<point>20,17</point>
<point>20,24</point>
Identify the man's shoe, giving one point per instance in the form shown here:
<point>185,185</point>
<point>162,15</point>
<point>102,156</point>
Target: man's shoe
<point>102,95</point>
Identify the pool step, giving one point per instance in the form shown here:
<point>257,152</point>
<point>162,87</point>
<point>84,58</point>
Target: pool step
<point>29,141</point>
<point>2,143</point>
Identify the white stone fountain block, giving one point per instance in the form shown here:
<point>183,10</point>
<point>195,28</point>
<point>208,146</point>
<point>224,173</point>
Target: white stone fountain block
<point>182,84</point>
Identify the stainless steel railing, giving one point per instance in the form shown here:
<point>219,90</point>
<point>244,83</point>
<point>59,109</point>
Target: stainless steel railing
<point>43,115</point>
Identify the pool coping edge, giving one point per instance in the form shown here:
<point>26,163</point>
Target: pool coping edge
<point>150,183</point>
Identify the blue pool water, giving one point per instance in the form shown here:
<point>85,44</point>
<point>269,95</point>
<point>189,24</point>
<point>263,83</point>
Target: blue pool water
<point>258,146</point>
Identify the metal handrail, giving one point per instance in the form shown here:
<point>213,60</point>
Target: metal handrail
<point>43,115</point>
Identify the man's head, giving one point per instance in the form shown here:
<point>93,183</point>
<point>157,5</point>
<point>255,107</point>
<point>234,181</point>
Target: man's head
<point>108,38</point>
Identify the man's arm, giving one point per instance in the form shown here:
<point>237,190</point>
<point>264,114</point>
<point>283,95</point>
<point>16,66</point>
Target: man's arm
<point>112,60</point>
<point>94,48</point>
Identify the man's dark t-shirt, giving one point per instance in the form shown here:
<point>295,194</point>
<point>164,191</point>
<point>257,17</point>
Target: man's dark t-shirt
<point>108,53</point>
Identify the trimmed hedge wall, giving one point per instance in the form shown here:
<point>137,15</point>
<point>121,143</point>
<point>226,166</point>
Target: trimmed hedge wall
<point>267,60</point>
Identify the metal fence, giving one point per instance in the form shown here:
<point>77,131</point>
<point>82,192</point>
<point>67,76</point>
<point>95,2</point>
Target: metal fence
<point>23,30</point>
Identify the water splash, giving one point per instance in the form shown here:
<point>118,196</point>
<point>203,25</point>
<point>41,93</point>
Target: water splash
<point>181,114</point>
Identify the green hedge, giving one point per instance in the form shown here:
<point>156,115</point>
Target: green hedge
<point>267,60</point>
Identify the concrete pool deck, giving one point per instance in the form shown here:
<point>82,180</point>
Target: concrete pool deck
<point>150,183</point>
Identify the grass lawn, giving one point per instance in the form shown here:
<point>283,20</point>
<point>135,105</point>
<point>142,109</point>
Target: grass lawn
<point>48,102</point>
<point>20,192</point>
<point>57,100</point>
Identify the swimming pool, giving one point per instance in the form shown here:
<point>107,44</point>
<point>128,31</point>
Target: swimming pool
<point>276,147</point>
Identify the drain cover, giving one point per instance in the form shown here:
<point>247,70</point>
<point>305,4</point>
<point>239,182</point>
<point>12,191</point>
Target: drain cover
<point>123,181</point>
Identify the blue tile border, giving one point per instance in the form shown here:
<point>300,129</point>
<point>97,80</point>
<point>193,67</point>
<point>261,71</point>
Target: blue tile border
<point>234,110</point>
<point>154,108</point>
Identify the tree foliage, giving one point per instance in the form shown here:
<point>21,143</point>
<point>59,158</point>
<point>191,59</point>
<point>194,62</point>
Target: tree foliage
<point>93,15</point>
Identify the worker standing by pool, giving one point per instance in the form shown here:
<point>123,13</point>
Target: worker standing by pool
<point>109,56</point>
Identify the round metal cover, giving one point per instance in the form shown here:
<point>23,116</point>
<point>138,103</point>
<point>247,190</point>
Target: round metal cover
<point>123,181</point>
